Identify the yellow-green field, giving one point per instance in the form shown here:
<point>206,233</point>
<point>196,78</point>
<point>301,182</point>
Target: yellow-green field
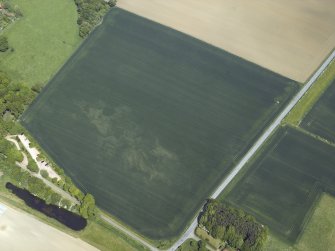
<point>319,233</point>
<point>42,40</point>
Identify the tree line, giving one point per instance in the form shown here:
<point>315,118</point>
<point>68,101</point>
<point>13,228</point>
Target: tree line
<point>90,13</point>
<point>234,226</point>
<point>14,98</point>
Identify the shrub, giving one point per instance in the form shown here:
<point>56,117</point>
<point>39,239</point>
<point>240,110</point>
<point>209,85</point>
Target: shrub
<point>44,174</point>
<point>32,167</point>
<point>3,43</point>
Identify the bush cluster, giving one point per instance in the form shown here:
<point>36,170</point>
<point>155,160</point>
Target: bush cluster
<point>90,13</point>
<point>4,46</point>
<point>13,97</point>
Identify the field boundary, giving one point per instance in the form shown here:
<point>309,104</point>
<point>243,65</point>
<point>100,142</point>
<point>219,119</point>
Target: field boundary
<point>311,98</point>
<point>105,217</point>
<point>268,132</point>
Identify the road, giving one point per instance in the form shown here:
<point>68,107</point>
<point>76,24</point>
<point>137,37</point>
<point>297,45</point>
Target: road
<point>189,232</point>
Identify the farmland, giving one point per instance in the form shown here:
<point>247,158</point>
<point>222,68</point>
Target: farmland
<point>20,231</point>
<point>307,102</point>
<point>321,119</point>
<point>319,232</point>
<point>290,37</point>
<point>282,185</point>
<point>97,233</point>
<point>40,46</point>
<point>150,128</point>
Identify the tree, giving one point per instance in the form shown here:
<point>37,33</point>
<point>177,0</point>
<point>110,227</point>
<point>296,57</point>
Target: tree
<point>90,13</point>
<point>55,198</point>
<point>66,203</point>
<point>33,167</point>
<point>84,29</point>
<point>87,208</point>
<point>202,245</point>
<point>235,226</point>
<point>237,241</point>
<point>230,234</point>
<point>112,3</point>
<point>14,155</point>
<point>89,199</point>
<point>3,43</point>
<point>74,191</point>
<point>218,232</point>
<point>37,87</point>
<point>44,174</point>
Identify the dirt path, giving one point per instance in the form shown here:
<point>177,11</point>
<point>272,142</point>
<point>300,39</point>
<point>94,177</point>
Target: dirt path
<point>24,165</point>
<point>34,153</point>
<point>12,139</point>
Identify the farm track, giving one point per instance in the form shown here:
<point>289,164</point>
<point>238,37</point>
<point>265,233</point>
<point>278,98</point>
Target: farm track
<point>267,133</point>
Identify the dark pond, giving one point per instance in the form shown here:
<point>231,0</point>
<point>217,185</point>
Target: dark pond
<point>65,217</point>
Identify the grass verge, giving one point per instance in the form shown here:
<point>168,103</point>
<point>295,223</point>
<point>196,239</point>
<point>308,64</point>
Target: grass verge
<point>202,234</point>
<point>309,99</point>
<point>97,233</point>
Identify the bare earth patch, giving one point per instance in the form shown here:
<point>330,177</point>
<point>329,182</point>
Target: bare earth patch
<point>290,37</point>
<point>20,231</point>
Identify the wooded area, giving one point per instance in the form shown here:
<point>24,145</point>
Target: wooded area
<point>234,226</point>
<point>14,98</point>
<point>91,13</point>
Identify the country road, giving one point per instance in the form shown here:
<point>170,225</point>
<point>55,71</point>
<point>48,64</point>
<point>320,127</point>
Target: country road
<point>189,232</point>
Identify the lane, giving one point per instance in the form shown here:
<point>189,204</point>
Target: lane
<point>258,144</point>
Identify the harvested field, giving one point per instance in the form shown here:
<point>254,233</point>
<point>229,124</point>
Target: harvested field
<point>150,128</point>
<point>290,37</point>
<point>20,231</point>
<point>321,119</point>
<point>284,183</point>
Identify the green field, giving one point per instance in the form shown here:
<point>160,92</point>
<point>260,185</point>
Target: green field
<point>284,183</point>
<point>319,233</point>
<point>149,120</point>
<point>321,119</point>
<point>307,102</point>
<point>42,40</point>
